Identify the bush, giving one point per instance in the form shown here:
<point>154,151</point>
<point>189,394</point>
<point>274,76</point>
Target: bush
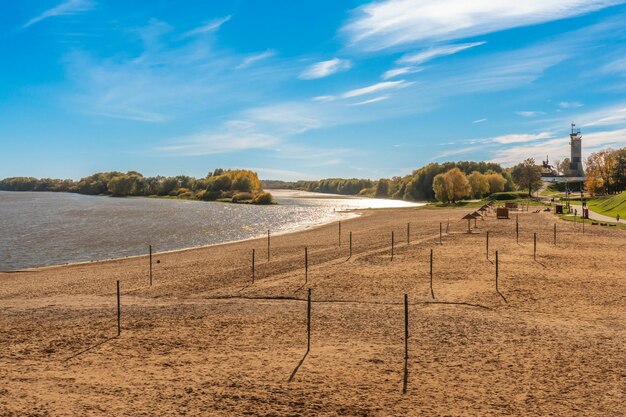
<point>211,195</point>
<point>242,197</point>
<point>513,195</point>
<point>263,198</point>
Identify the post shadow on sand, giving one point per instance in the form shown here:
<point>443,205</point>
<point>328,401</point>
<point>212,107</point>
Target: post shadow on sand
<point>308,345</point>
<point>92,347</point>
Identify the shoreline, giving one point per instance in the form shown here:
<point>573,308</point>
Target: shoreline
<point>352,214</point>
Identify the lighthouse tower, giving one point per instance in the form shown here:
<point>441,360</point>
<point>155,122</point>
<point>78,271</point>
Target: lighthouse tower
<point>576,163</point>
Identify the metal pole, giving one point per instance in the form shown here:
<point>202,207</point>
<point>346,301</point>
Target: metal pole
<point>535,246</point>
<point>392,246</point>
<point>253,266</point>
<point>306,265</point>
<point>555,234</point>
<point>119,311</point>
<point>150,250</point>
<point>432,293</point>
<point>351,244</point>
<point>406,343</point>
<point>440,232</point>
<point>487,244</point>
<point>308,322</point>
<point>408,233</point>
<point>340,233</point>
<point>497,290</point>
<point>517,227</point>
<point>268,245</point>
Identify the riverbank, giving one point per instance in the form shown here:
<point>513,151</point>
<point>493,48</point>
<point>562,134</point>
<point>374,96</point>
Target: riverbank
<point>206,339</point>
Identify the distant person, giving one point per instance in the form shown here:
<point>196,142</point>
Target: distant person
<point>617,217</point>
<point>575,212</point>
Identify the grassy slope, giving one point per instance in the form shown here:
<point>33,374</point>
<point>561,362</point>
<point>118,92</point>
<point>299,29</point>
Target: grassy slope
<point>609,206</point>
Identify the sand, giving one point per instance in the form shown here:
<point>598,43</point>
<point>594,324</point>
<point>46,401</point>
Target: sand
<point>205,340</point>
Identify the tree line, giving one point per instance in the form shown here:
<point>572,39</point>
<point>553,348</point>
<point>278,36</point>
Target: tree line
<point>224,185</point>
<point>606,171</point>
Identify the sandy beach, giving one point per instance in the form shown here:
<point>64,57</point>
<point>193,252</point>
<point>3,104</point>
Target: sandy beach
<point>205,340</point>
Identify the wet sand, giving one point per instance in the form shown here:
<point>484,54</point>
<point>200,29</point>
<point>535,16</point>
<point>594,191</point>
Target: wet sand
<point>205,340</point>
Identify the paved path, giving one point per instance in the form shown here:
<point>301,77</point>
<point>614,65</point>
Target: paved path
<point>597,216</point>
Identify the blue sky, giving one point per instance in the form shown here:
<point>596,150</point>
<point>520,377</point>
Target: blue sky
<point>304,90</point>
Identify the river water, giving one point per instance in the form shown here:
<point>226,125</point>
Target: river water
<point>38,229</point>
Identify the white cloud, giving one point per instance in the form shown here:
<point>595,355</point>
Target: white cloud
<point>617,66</point>
<point>559,148</point>
<point>610,116</point>
<point>392,73</point>
<point>324,99</point>
<point>325,68</point>
<point>256,57</point>
<point>385,85</point>
<point>68,7</point>
<point>435,52</point>
<point>210,143</point>
<point>519,138</point>
<point>389,23</point>
<point>370,101</point>
<point>211,26</point>
<point>570,104</point>
<point>479,121</point>
<point>529,113</point>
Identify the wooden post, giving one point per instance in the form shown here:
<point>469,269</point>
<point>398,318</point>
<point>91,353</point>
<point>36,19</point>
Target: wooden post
<point>432,292</point>
<point>440,232</point>
<point>497,290</point>
<point>583,224</point>
<point>487,244</point>
<point>447,226</point>
<point>339,233</point>
<point>406,343</point>
<point>268,245</point>
<point>392,245</point>
<point>253,266</point>
<point>150,250</point>
<point>535,246</point>
<point>350,244</point>
<point>119,311</point>
<point>306,265</point>
<point>408,233</point>
<point>308,323</point>
<point>554,234</point>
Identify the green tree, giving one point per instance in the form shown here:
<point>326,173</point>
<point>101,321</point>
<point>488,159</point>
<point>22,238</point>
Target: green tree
<point>479,184</point>
<point>527,175</point>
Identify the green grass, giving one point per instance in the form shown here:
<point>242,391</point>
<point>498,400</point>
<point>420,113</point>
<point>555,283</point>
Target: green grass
<point>609,205</point>
<point>588,222</point>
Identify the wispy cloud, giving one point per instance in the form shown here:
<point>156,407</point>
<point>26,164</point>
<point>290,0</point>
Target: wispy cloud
<point>370,101</point>
<point>519,138</point>
<point>324,99</point>
<point>389,23</point>
<point>570,104</point>
<point>436,52</point>
<point>479,121</point>
<point>607,116</point>
<point>374,88</point>
<point>210,143</point>
<point>211,26</point>
<point>558,148</point>
<point>256,57</point>
<point>325,68</point>
<point>68,7</point>
<point>167,80</point>
<point>529,113</point>
<point>395,72</point>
